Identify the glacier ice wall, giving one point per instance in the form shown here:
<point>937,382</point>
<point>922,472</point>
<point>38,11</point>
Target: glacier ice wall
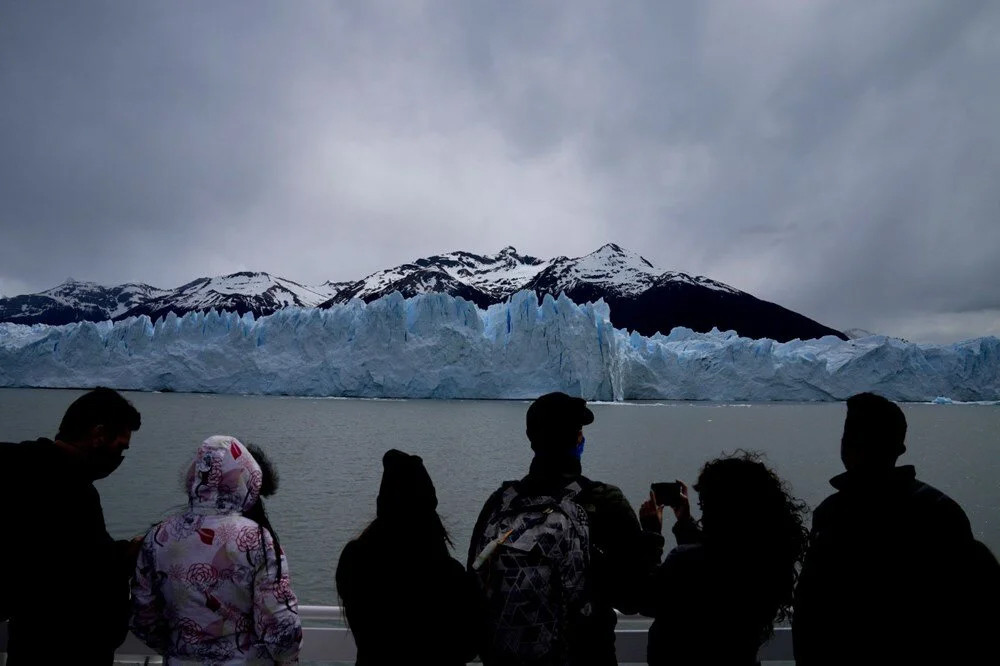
<point>438,346</point>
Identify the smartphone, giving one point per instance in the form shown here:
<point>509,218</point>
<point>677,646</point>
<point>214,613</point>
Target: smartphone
<point>667,494</point>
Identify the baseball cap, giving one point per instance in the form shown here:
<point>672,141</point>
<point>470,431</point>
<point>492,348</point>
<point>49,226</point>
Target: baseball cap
<point>554,417</point>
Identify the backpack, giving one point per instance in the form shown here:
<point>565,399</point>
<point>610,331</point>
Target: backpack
<point>533,568</point>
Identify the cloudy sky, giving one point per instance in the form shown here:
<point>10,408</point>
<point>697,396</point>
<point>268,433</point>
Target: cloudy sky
<point>841,158</point>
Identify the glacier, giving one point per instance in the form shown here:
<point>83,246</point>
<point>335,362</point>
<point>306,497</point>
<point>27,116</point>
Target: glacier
<point>438,346</point>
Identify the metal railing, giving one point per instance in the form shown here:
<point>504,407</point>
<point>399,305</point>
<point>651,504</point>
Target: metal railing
<point>326,638</point>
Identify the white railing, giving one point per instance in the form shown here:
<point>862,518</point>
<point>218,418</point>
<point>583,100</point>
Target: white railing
<point>326,638</point>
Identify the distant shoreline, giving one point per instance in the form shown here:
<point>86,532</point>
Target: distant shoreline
<point>617,403</point>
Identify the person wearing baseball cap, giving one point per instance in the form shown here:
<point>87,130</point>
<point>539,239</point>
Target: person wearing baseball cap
<point>622,554</point>
<point>555,424</point>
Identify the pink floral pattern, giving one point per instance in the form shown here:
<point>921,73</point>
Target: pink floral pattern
<point>206,587</point>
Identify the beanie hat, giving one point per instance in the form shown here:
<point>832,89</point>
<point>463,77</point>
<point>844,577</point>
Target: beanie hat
<point>406,486</point>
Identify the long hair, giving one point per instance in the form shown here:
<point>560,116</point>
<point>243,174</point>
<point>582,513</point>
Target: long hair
<point>406,539</point>
<point>751,520</point>
<point>382,537</point>
<point>268,486</point>
<point>427,526</point>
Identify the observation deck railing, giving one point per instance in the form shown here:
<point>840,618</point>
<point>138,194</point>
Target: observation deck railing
<point>327,639</point>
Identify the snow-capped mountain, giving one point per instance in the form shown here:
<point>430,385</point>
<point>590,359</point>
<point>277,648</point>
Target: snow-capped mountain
<point>329,289</point>
<point>74,301</point>
<point>482,279</point>
<point>610,269</point>
<point>259,293</point>
<point>498,275</point>
<point>648,300</point>
<point>642,297</point>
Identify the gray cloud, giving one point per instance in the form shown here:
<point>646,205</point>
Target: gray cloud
<point>839,158</point>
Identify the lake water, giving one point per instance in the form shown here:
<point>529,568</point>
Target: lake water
<point>328,452</point>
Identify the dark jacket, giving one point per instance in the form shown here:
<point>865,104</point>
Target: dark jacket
<point>884,580</point>
<point>65,582</point>
<point>704,605</point>
<point>622,553</point>
<point>406,604</point>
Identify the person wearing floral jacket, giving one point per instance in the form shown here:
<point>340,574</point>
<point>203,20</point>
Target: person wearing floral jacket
<point>211,586</point>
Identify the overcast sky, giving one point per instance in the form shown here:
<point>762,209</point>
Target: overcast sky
<point>840,158</point>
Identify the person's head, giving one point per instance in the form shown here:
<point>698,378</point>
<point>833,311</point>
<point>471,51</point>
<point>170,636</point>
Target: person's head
<point>752,520</point>
<point>874,434</point>
<point>407,489</point>
<point>737,491</point>
<point>407,501</point>
<point>99,426</point>
<point>224,477</point>
<point>554,424</point>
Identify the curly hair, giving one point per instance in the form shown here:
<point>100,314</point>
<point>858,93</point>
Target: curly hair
<point>268,470</point>
<point>751,519</point>
<point>269,486</point>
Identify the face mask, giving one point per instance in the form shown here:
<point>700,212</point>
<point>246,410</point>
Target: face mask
<point>104,460</point>
<point>578,451</point>
<point>103,464</point>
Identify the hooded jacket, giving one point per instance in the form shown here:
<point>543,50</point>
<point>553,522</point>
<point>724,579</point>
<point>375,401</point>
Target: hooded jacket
<point>207,587</point>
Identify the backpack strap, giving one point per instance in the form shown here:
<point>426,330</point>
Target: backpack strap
<point>577,486</point>
<point>569,492</point>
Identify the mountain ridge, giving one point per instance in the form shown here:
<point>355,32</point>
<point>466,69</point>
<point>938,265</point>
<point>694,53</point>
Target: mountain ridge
<point>642,297</point>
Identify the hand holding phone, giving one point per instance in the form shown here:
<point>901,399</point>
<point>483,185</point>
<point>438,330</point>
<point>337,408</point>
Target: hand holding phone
<point>667,494</point>
<point>673,495</point>
<point>651,515</point>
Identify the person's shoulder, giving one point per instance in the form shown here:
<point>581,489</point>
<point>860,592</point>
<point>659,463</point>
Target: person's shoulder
<point>30,449</point>
<point>688,555</point>
<point>351,548</point>
<point>497,494</point>
<point>926,493</point>
<point>25,443</point>
<point>830,505</point>
<point>351,570</point>
<point>10,454</point>
<point>452,567</point>
<point>349,556</point>
<point>844,499</point>
<point>149,539</point>
<point>37,454</point>
<point>686,551</point>
<point>599,498</point>
<point>928,499</point>
<point>600,490</point>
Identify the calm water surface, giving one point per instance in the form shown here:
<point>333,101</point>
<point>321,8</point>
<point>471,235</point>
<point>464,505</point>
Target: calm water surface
<point>328,452</point>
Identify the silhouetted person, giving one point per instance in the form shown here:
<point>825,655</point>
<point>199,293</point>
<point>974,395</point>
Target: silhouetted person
<point>64,584</point>
<point>406,599</point>
<point>556,552</point>
<point>716,596</point>
<point>212,584</point>
<point>886,576</point>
